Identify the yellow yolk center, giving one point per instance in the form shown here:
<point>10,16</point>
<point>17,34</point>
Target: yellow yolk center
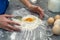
<point>29,19</point>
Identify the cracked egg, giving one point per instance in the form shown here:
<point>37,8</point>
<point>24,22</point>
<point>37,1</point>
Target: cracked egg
<point>28,19</point>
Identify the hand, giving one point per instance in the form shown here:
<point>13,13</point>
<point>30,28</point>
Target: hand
<point>5,23</point>
<point>38,10</point>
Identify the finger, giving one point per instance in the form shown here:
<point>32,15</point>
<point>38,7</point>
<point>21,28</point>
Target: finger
<point>40,9</point>
<point>41,12</point>
<point>13,28</point>
<point>8,16</point>
<point>40,16</point>
<point>14,23</point>
<point>7,29</point>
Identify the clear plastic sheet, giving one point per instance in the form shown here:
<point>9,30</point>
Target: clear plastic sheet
<point>37,34</point>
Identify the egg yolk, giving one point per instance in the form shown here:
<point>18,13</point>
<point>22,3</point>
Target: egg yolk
<point>29,19</point>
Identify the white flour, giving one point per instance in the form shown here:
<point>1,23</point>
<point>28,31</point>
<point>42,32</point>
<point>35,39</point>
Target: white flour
<point>33,1</point>
<point>28,25</point>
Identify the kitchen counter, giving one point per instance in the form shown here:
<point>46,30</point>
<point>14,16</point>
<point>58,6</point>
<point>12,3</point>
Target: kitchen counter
<point>15,5</point>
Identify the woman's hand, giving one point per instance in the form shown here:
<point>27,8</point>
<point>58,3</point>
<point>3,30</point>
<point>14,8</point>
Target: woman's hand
<point>5,23</point>
<point>38,10</point>
<point>33,7</point>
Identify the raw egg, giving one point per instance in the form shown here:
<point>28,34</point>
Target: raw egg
<point>30,22</point>
<point>29,19</point>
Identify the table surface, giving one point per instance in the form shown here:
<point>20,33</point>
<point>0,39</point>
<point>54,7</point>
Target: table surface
<point>15,5</point>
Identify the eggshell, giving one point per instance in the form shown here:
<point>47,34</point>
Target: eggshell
<point>57,17</point>
<point>56,29</point>
<point>57,22</point>
<point>50,20</point>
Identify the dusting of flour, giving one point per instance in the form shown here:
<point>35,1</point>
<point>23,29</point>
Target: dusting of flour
<point>27,25</point>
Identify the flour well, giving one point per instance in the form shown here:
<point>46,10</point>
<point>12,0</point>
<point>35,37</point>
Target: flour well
<point>29,22</point>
